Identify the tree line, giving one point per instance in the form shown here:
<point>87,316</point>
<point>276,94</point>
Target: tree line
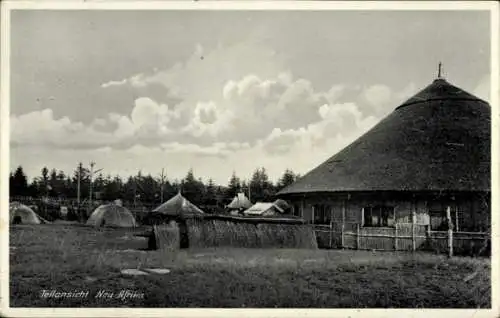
<point>146,188</point>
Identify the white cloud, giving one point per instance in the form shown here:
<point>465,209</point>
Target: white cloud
<point>208,120</point>
<point>378,96</point>
<point>338,122</point>
<point>237,110</point>
<point>135,81</point>
<point>271,113</point>
<point>205,72</point>
<point>114,83</point>
<point>213,150</point>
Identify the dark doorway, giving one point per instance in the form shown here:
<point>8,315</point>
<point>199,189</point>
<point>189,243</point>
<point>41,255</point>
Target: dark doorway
<point>183,232</point>
<point>17,220</point>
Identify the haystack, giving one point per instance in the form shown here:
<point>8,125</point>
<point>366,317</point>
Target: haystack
<point>112,215</point>
<point>22,214</point>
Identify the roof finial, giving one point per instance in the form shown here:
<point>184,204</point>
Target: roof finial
<point>439,69</point>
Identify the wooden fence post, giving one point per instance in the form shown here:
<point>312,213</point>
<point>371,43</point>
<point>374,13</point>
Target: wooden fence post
<point>342,236</point>
<point>450,231</point>
<point>428,237</point>
<point>413,238</point>
<point>312,214</point>
<point>357,237</point>
<point>343,224</point>
<point>396,237</point>
<point>413,221</point>
<point>331,233</point>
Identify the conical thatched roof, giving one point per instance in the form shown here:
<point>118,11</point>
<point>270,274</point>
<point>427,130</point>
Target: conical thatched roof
<point>240,201</point>
<point>437,140</point>
<point>178,206</point>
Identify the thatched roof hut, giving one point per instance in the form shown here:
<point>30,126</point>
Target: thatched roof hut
<point>178,206</point>
<point>438,140</point>
<point>428,157</point>
<point>111,215</point>
<point>22,214</point>
<point>240,201</point>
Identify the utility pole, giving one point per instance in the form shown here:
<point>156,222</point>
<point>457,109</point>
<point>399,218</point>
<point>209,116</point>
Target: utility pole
<point>79,177</point>
<point>250,191</point>
<point>92,164</point>
<point>78,183</point>
<point>135,190</point>
<point>161,184</point>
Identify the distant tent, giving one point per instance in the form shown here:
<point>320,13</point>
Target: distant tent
<point>178,206</point>
<point>112,215</point>
<point>22,214</point>
<point>263,209</point>
<point>240,202</point>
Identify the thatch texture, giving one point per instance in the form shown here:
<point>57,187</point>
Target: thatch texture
<point>242,232</point>
<point>178,206</point>
<point>22,214</point>
<point>166,236</point>
<point>240,201</point>
<point>111,215</point>
<point>439,140</point>
<point>263,208</point>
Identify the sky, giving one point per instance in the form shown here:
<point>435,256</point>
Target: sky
<point>223,91</point>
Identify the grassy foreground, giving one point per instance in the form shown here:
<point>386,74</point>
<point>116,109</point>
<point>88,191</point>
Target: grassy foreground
<point>77,258</point>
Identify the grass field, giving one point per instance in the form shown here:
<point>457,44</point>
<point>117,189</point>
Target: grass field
<point>77,258</point>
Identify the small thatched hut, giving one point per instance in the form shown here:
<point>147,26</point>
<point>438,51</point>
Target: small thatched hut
<point>175,212</point>
<point>111,215</point>
<point>430,156</point>
<point>239,203</point>
<point>22,214</point>
<point>178,207</point>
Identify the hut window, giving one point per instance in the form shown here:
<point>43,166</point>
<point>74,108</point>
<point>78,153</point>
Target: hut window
<point>379,216</point>
<point>438,221</point>
<point>296,210</point>
<point>322,214</point>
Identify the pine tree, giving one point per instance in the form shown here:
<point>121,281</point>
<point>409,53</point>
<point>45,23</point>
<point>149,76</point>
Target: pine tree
<point>52,184</point>
<point>12,185</point>
<point>286,179</point>
<point>43,182</point>
<point>261,188</point>
<point>18,183</point>
<point>193,189</point>
<point>129,189</point>
<point>234,186</point>
<point>61,184</point>
<point>150,189</point>
<point>210,194</point>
